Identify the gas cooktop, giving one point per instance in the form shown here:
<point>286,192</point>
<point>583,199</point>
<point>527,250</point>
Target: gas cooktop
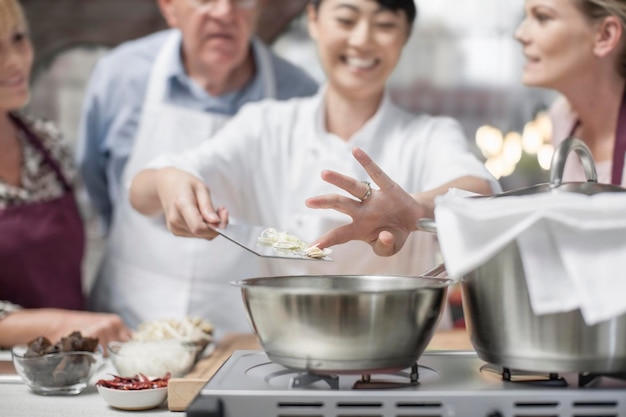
<point>443,384</point>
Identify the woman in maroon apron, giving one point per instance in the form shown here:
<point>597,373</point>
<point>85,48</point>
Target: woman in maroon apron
<point>42,242</point>
<point>578,48</point>
<point>41,231</point>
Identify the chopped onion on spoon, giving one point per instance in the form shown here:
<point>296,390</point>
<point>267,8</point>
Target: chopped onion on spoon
<point>315,252</point>
<point>283,241</point>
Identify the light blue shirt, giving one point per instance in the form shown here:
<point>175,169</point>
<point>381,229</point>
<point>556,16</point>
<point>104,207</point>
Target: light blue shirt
<point>114,99</point>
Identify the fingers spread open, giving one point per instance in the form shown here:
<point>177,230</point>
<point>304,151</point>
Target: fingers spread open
<point>385,244</point>
<point>353,186</point>
<point>375,172</point>
<point>337,202</point>
<point>339,180</point>
<point>337,236</point>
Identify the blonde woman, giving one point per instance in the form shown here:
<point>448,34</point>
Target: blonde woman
<point>41,238</point>
<point>578,48</point>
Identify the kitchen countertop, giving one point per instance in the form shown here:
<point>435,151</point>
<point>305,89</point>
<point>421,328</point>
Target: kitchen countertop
<point>17,400</point>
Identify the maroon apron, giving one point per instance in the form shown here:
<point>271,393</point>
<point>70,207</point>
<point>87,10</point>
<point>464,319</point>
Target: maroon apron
<point>619,150</point>
<point>620,145</point>
<point>42,246</point>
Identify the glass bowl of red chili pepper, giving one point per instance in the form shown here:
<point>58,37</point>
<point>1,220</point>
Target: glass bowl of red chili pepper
<point>134,393</point>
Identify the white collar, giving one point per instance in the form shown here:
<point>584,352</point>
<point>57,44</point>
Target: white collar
<point>364,135</point>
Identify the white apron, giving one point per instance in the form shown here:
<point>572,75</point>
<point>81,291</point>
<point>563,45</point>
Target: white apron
<point>147,272</point>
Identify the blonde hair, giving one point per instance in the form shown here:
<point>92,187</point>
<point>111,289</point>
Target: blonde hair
<point>11,15</point>
<point>598,9</point>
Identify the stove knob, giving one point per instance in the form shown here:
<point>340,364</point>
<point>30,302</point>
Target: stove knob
<point>494,413</point>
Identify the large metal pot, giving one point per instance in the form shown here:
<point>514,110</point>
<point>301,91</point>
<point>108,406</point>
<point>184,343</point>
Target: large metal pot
<point>344,324</point>
<point>501,323</point>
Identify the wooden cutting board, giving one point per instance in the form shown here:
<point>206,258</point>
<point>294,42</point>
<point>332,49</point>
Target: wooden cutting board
<point>181,391</point>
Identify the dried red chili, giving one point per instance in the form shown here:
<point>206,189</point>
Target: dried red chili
<point>137,382</point>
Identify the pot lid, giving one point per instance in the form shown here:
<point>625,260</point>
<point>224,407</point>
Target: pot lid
<point>557,166</point>
<point>589,188</point>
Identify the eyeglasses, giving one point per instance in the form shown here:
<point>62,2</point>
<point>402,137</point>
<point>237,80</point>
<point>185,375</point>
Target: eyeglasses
<point>237,4</point>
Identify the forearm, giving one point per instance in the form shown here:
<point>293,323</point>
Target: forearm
<point>144,195</point>
<point>426,199</point>
<point>22,326</point>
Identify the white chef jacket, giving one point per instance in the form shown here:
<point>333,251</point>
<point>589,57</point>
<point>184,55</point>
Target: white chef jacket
<point>267,160</point>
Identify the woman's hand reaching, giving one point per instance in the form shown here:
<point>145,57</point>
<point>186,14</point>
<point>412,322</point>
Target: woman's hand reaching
<point>22,326</point>
<point>105,326</point>
<point>383,216</point>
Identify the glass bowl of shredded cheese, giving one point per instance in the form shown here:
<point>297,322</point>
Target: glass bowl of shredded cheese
<point>152,357</point>
<point>161,346</point>
<point>192,331</point>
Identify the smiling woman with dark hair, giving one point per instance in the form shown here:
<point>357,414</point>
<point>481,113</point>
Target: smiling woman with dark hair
<point>265,162</point>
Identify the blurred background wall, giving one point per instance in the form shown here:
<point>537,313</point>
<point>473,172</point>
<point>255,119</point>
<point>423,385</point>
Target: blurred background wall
<point>461,61</point>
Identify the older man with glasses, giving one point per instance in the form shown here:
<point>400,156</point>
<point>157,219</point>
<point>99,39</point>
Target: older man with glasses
<point>165,92</point>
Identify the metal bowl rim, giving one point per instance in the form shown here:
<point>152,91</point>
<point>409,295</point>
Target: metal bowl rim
<point>436,283</point>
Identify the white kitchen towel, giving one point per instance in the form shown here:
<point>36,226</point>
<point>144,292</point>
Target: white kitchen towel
<point>572,246</point>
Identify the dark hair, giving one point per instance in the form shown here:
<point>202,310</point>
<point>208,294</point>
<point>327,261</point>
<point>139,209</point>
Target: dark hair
<point>408,6</point>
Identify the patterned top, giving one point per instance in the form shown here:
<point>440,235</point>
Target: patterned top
<point>7,308</point>
<point>39,181</point>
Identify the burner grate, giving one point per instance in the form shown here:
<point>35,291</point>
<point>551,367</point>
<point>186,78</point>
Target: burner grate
<point>589,379</point>
<point>498,373</point>
<point>580,380</point>
<point>302,380</point>
<point>274,375</point>
<point>366,381</point>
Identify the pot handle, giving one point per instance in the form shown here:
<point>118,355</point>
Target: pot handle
<point>560,156</point>
<point>557,167</point>
<point>427,225</point>
<point>435,272</point>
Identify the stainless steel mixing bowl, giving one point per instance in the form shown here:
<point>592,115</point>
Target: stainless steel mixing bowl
<point>344,324</point>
